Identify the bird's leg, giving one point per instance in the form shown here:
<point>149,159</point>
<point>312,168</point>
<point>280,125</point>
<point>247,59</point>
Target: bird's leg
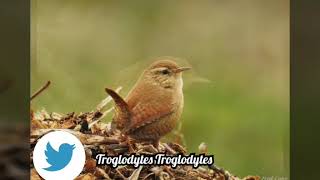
<point>156,143</point>
<point>129,142</point>
<point>130,145</point>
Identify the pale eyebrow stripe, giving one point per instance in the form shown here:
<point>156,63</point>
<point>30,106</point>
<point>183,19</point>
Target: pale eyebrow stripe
<point>159,69</point>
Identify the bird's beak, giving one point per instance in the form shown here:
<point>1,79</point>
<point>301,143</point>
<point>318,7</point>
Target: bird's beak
<point>180,69</point>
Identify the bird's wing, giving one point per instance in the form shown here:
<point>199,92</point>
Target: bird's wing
<point>143,114</point>
<point>51,154</point>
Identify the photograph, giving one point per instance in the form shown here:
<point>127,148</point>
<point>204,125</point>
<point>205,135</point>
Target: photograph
<point>144,89</point>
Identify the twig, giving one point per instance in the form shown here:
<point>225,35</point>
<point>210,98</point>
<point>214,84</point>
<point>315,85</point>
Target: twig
<point>84,138</point>
<point>103,115</point>
<point>135,175</point>
<point>102,173</point>
<point>40,90</point>
<point>101,105</point>
<point>225,173</point>
<point>150,174</point>
<point>169,149</point>
<point>121,175</point>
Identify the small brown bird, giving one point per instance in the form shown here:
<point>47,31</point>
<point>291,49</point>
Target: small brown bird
<point>154,105</point>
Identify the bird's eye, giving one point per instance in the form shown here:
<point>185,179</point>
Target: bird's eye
<point>165,71</point>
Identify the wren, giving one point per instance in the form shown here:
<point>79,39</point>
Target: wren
<point>154,105</point>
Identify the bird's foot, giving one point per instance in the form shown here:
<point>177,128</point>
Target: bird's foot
<point>156,144</point>
<point>130,143</point>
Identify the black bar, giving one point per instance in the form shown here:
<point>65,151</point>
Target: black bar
<point>14,89</point>
<point>305,89</point>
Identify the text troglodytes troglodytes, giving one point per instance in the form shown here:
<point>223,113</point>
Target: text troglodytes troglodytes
<point>154,105</point>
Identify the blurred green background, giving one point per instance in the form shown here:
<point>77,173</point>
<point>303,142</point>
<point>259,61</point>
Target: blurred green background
<point>236,97</point>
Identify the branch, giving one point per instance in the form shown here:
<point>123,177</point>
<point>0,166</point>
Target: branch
<point>39,91</point>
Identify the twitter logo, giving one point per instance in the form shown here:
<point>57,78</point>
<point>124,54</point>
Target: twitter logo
<point>59,155</point>
<point>58,159</point>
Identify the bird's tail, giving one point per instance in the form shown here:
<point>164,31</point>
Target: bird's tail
<point>122,111</point>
